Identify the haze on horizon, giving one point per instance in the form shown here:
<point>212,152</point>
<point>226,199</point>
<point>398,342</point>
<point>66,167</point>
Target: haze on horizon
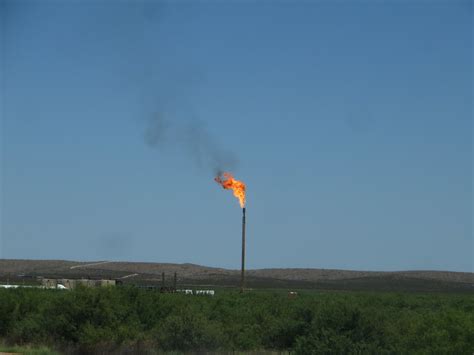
<point>350,123</point>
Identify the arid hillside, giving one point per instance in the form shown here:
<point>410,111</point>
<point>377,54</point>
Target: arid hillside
<point>190,274</point>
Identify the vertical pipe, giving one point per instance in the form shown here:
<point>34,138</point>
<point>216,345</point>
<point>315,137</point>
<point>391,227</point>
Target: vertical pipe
<point>163,279</point>
<point>242,272</point>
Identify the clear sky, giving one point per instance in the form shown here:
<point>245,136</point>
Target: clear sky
<point>351,121</point>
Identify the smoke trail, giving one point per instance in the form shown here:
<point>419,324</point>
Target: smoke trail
<point>168,127</point>
<point>157,130</point>
<point>194,139</point>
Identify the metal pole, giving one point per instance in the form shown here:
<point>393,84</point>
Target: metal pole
<point>242,274</point>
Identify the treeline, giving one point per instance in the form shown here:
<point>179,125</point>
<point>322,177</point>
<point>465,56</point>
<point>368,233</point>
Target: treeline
<point>98,320</point>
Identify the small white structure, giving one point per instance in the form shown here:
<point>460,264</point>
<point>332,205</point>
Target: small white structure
<point>205,292</point>
<point>197,292</point>
<point>59,287</point>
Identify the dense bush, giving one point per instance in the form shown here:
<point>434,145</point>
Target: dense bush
<point>120,319</point>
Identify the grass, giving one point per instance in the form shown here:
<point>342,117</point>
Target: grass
<point>27,350</point>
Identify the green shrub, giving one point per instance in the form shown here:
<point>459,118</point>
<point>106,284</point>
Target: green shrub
<point>117,319</point>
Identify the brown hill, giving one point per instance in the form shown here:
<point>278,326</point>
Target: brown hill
<point>150,273</point>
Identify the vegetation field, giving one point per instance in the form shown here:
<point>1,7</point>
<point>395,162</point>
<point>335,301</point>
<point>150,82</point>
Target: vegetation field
<point>132,320</point>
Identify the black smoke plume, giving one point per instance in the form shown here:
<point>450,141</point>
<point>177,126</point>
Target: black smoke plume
<point>193,138</point>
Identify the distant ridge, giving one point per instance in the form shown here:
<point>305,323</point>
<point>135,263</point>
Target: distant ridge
<point>146,272</point>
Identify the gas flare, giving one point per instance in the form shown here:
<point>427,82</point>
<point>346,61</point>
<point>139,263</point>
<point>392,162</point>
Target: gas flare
<point>227,181</point>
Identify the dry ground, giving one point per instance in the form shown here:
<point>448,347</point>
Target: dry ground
<point>190,274</point>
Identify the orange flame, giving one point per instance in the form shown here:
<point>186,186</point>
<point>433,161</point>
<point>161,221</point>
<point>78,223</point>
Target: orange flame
<point>227,181</point>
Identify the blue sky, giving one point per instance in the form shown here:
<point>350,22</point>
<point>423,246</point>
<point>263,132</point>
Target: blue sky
<point>351,121</point>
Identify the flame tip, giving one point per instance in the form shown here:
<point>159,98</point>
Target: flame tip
<point>227,181</point>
